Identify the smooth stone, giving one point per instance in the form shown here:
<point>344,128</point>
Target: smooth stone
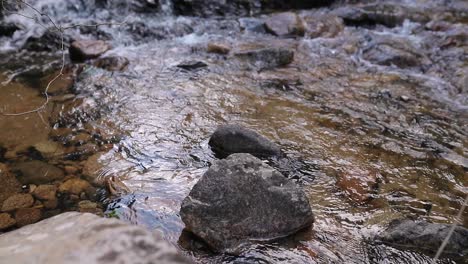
<point>82,50</point>
<point>45,192</point>
<point>287,24</point>
<point>75,186</point>
<point>27,216</point>
<point>17,201</point>
<point>116,63</point>
<point>240,200</point>
<point>265,58</point>
<point>229,139</point>
<point>76,238</point>
<point>37,172</point>
<point>426,237</point>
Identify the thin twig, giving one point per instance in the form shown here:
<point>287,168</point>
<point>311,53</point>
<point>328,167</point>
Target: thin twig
<point>59,29</point>
<point>452,229</point>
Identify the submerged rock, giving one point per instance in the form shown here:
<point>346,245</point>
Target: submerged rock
<point>27,216</point>
<point>241,199</point>
<point>85,238</point>
<point>6,221</point>
<point>230,139</point>
<point>17,201</point>
<point>50,40</point>
<point>9,184</point>
<point>82,50</point>
<point>265,58</point>
<point>37,172</point>
<point>76,186</point>
<point>116,63</point>
<point>426,237</point>
<point>45,192</point>
<point>287,24</point>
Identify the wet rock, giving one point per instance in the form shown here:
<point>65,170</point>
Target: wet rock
<point>62,84</point>
<point>218,48</point>
<point>6,221</point>
<point>357,184</point>
<point>143,31</point>
<point>48,149</point>
<point>251,24</point>
<point>398,52</point>
<point>426,237</point>
<point>75,186</point>
<point>265,58</point>
<point>141,6</point>
<point>17,201</point>
<point>7,29</point>
<point>92,167</point>
<point>45,192</point>
<point>293,4</point>
<point>82,50</point>
<point>229,139</point>
<point>27,216</point>
<point>92,239</point>
<point>87,206</point>
<point>37,172</point>
<point>325,26</point>
<point>241,199</point>
<point>116,63</point>
<point>287,24</point>
<point>192,65</point>
<point>69,169</point>
<point>48,41</point>
<point>9,184</point>
<point>50,204</point>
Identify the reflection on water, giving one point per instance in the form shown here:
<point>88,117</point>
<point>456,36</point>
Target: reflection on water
<point>403,129</point>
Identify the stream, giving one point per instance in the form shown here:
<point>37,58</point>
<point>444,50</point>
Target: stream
<point>383,97</point>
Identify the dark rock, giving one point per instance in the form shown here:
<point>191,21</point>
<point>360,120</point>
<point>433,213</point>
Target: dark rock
<point>49,41</point>
<point>218,48</point>
<point>265,58</point>
<point>37,172</point>
<point>87,49</point>
<point>143,31</point>
<point>240,199</point>
<point>229,139</point>
<point>141,6</point>
<point>293,4</point>
<point>27,216</point>
<point>6,221</point>
<point>287,24</point>
<point>426,237</point>
<point>116,63</point>
<point>85,238</point>
<point>17,201</point>
<point>192,65</point>
<point>7,29</point>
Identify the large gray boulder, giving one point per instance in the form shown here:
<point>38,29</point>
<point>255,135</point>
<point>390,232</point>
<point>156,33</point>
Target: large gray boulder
<point>426,237</point>
<point>230,139</point>
<point>85,238</point>
<point>239,200</point>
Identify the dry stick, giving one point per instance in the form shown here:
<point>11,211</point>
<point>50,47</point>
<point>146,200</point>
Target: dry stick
<point>59,29</point>
<point>452,229</point>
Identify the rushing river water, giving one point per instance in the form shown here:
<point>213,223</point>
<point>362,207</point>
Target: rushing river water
<point>336,108</point>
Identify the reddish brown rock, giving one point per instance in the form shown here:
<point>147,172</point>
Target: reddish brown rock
<point>17,201</point>
<point>6,221</point>
<point>82,50</point>
<point>50,204</point>
<point>9,185</point>
<point>45,192</point>
<point>218,48</point>
<point>27,216</point>
<point>75,186</point>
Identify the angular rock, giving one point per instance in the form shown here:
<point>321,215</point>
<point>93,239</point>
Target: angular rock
<point>240,199</point>
<point>6,221</point>
<point>85,238</point>
<point>45,192</point>
<point>265,58</point>
<point>116,63</point>
<point>82,50</point>
<point>37,172</point>
<point>426,237</point>
<point>230,139</point>
<point>27,216</point>
<point>287,24</point>
<point>218,48</point>
<point>75,186</point>
<point>17,201</point>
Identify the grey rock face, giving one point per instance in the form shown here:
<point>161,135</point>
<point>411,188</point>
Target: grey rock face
<point>239,200</point>
<point>229,139</point>
<point>265,58</point>
<point>85,238</point>
<point>426,237</point>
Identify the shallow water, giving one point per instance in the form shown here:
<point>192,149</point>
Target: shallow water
<point>405,129</point>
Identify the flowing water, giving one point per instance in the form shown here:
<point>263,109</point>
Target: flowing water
<point>405,129</point>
